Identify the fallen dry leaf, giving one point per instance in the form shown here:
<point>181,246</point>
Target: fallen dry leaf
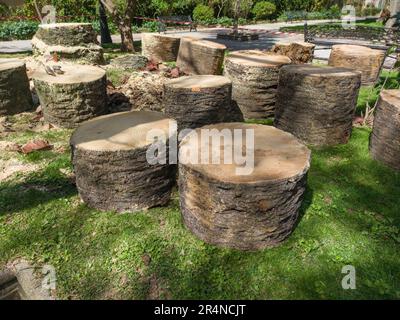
<point>36,145</point>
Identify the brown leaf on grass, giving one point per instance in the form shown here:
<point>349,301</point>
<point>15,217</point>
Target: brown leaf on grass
<point>152,66</point>
<point>36,145</point>
<point>175,73</point>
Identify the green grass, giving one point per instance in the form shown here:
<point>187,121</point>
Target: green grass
<point>300,28</point>
<point>350,216</point>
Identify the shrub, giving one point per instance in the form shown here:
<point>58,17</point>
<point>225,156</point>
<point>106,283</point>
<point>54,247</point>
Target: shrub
<point>18,30</point>
<point>150,26</point>
<point>203,13</point>
<point>263,10</point>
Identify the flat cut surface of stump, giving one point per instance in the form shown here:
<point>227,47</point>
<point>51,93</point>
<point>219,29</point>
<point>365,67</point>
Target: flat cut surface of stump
<point>368,61</point>
<point>15,94</point>
<point>247,212</point>
<point>385,137</point>
<point>200,57</point>
<point>255,75</point>
<point>196,101</point>
<point>160,48</point>
<point>297,52</point>
<point>110,163</point>
<point>73,97</point>
<point>317,104</point>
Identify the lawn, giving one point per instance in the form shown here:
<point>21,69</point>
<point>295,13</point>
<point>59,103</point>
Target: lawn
<point>362,23</point>
<point>350,216</point>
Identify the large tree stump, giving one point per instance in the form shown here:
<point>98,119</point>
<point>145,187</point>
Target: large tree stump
<point>298,52</point>
<point>385,138</point>
<point>246,212</point>
<point>160,48</point>
<point>196,101</point>
<point>368,61</point>
<point>317,104</point>
<point>70,41</point>
<point>74,97</point>
<point>255,77</point>
<point>15,95</point>
<point>109,155</point>
<point>201,57</point>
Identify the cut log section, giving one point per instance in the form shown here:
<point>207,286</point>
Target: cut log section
<point>69,41</point>
<point>317,104</point>
<point>196,101</point>
<point>15,95</point>
<point>255,77</point>
<point>298,52</point>
<point>246,212</point>
<point>201,57</point>
<point>368,61</point>
<point>385,138</point>
<point>110,160</point>
<point>76,96</point>
<point>160,48</point>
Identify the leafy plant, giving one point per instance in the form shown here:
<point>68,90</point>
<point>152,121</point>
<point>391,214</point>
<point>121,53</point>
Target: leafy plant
<point>263,10</point>
<point>203,13</point>
<point>18,30</point>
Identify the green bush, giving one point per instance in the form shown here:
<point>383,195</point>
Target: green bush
<point>263,10</point>
<point>18,30</point>
<point>203,13</point>
<point>150,26</point>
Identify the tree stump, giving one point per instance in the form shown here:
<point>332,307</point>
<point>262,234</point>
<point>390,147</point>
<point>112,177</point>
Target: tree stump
<point>297,52</point>
<point>364,59</point>
<point>160,48</point>
<point>70,41</point>
<point>317,104</point>
<point>15,94</point>
<point>385,138</point>
<point>246,212</point>
<point>78,95</point>
<point>196,101</point>
<point>109,155</point>
<point>201,57</point>
<point>255,77</point>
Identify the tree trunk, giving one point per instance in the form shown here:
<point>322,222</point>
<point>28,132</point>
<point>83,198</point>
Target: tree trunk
<point>104,30</point>
<point>197,101</point>
<point>15,96</point>
<point>72,98</point>
<point>127,44</point>
<point>317,104</point>
<point>201,57</point>
<point>109,155</point>
<point>385,137</point>
<point>368,61</point>
<point>394,14</point>
<point>245,212</point>
<point>255,77</point>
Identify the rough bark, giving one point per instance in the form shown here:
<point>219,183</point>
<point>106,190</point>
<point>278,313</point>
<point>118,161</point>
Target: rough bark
<point>70,41</point>
<point>160,48</point>
<point>317,104</point>
<point>109,158</point>
<point>385,138</point>
<point>255,81</point>
<point>70,99</point>
<point>298,52</point>
<point>364,59</point>
<point>200,57</point>
<point>246,212</point>
<point>15,95</point>
<point>197,101</point>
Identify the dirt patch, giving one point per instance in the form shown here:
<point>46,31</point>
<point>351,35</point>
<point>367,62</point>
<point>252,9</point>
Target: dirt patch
<point>10,167</point>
